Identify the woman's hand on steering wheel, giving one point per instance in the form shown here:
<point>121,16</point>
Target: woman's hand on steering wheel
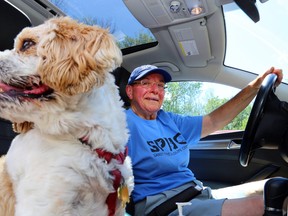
<point>256,83</point>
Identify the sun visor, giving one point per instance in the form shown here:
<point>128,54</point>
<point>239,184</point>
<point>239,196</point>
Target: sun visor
<point>192,42</point>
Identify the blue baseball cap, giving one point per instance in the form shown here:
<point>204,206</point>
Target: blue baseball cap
<point>144,70</point>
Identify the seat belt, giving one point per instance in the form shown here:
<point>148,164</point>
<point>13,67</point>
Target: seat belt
<point>170,205</point>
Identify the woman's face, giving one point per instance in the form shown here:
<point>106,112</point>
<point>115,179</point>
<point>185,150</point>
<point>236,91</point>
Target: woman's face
<point>146,95</point>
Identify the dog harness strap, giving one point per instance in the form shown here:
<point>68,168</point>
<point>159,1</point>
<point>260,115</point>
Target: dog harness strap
<point>112,197</point>
<point>107,156</point>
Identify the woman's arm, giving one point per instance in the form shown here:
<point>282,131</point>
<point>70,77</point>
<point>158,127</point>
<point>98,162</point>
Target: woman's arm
<point>223,115</point>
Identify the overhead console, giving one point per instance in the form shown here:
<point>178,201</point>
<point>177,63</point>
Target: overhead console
<point>157,13</point>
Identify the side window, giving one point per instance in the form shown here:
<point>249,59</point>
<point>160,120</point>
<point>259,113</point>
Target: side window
<point>200,98</point>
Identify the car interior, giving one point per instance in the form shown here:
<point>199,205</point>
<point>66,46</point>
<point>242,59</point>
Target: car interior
<point>190,39</point>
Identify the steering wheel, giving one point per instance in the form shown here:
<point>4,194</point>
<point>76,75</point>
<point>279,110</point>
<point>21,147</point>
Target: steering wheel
<point>248,145</point>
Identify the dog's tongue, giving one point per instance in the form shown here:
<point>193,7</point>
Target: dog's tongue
<point>39,90</point>
<point>5,88</point>
<point>36,90</point>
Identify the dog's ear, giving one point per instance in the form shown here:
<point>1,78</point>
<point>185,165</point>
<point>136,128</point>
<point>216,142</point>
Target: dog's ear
<point>22,127</point>
<point>76,57</point>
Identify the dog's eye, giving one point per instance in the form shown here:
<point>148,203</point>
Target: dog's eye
<point>27,44</point>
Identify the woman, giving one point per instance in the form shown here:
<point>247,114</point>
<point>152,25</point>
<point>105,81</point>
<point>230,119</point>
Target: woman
<point>159,145</point>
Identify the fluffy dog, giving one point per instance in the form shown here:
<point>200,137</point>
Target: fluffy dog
<point>57,89</point>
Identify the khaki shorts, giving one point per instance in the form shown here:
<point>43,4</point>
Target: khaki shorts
<point>203,204</point>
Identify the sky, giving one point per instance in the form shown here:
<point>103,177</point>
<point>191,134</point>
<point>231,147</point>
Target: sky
<point>258,46</point>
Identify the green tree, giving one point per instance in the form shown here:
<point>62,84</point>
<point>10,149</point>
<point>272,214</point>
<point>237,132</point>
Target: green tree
<point>189,98</point>
<point>183,98</point>
<point>140,38</point>
<point>238,123</point>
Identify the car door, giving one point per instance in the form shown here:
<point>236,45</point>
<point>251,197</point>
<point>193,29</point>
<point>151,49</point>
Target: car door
<point>215,161</point>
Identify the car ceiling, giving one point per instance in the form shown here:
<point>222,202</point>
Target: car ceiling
<point>208,32</point>
<point>166,30</point>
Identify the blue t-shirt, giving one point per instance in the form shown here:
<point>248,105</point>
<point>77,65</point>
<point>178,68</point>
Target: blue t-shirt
<point>159,150</point>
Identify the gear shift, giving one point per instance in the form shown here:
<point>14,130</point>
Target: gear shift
<point>275,192</point>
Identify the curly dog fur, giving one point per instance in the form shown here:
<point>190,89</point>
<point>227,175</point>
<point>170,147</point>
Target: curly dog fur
<point>69,157</point>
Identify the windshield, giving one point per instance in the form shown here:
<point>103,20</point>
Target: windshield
<point>257,46</point>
